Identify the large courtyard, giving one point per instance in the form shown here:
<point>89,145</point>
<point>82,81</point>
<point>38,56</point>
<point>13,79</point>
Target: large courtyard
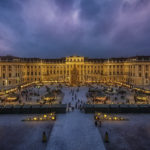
<point>36,94</point>
<point>74,130</point>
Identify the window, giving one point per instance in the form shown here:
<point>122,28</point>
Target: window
<point>9,75</point>
<point>146,75</point>
<point>146,67</point>
<point>4,68</point>
<point>3,75</point>
<point>140,68</point>
<point>9,68</point>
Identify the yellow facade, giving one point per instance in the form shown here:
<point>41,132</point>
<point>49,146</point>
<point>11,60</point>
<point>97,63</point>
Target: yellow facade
<point>74,70</point>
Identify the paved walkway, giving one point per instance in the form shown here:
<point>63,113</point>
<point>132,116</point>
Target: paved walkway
<point>75,131</point>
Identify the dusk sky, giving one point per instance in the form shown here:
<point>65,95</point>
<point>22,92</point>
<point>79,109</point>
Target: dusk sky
<point>58,28</point>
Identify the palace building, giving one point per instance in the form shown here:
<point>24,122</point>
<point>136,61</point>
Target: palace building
<point>75,70</point>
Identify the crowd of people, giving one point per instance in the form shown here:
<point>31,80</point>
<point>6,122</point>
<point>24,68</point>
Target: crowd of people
<point>76,102</point>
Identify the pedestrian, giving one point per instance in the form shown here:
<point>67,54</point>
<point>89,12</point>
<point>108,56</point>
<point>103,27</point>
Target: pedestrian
<point>106,137</point>
<point>72,108</point>
<point>80,105</point>
<point>76,106</point>
<point>81,108</point>
<point>100,123</point>
<point>44,138</point>
<point>95,123</point>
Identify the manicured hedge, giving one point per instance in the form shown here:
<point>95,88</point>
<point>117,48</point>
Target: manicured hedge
<point>32,109</point>
<point>114,108</point>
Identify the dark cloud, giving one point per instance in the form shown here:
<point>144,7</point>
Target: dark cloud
<point>56,28</point>
<point>64,5</point>
<point>89,9</point>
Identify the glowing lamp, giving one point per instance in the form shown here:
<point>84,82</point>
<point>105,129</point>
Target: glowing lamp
<point>96,118</point>
<point>115,118</point>
<point>53,118</point>
<point>105,115</point>
<point>35,118</point>
<point>45,116</point>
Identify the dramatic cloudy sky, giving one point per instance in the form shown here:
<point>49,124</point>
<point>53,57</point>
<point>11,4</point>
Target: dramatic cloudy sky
<point>57,28</point>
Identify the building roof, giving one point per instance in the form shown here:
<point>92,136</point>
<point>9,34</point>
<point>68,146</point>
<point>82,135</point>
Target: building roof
<point>9,58</point>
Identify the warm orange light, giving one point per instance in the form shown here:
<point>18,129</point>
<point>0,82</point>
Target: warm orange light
<point>11,98</point>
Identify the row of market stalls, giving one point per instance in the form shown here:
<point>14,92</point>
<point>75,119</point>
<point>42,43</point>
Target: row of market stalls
<point>12,94</point>
<point>52,96</point>
<point>6,90</point>
<point>106,94</point>
<point>102,95</point>
<point>96,96</point>
<point>12,97</point>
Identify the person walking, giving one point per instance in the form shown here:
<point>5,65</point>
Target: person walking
<point>44,137</point>
<point>106,137</point>
<point>95,123</point>
<point>100,123</point>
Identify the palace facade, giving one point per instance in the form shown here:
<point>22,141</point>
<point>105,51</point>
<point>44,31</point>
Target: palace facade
<point>75,70</point>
